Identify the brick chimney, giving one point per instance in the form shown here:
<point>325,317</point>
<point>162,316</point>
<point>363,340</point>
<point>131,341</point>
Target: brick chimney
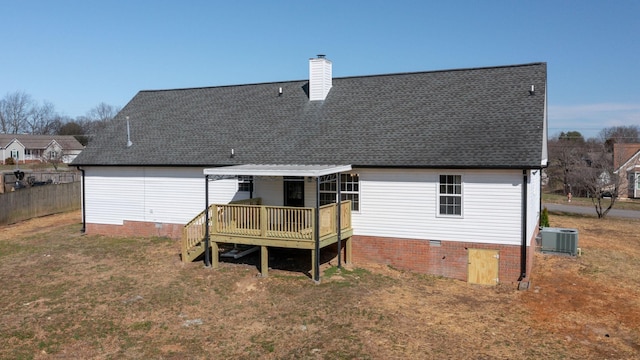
<point>320,78</point>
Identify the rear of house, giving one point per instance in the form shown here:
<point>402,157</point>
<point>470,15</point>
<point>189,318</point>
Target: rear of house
<point>444,166</point>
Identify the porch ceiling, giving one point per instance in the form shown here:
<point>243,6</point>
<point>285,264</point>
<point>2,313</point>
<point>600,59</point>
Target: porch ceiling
<point>277,170</point>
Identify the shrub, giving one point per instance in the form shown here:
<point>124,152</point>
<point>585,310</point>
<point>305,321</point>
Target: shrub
<point>9,161</point>
<point>544,218</point>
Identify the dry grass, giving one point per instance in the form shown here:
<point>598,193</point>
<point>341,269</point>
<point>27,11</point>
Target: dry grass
<point>622,204</point>
<point>65,295</point>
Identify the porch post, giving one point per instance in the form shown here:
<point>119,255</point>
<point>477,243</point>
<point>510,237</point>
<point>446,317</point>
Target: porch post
<point>207,259</point>
<point>339,221</point>
<point>264,261</point>
<point>316,260</point>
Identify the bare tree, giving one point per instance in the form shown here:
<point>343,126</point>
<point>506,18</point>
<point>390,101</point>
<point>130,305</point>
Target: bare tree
<point>565,155</point>
<point>103,112</point>
<point>41,118</point>
<point>586,168</point>
<point>619,135</point>
<point>596,175</point>
<point>54,156</point>
<point>14,111</point>
<point>97,118</point>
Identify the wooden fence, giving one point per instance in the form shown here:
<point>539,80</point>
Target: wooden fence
<point>31,202</point>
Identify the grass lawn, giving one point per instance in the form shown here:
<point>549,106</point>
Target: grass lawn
<point>627,204</point>
<point>67,295</point>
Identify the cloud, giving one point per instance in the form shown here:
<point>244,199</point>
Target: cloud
<point>589,119</point>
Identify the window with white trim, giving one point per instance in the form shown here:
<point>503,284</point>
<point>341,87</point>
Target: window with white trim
<point>15,154</point>
<point>245,183</point>
<point>349,190</point>
<point>450,195</point>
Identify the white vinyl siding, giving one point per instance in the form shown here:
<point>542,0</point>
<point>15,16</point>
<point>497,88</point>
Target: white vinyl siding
<point>402,203</point>
<point>13,148</point>
<point>165,195</point>
<point>398,203</point>
<point>270,189</point>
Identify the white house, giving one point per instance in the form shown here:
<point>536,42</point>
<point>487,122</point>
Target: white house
<point>37,148</point>
<point>441,167</point>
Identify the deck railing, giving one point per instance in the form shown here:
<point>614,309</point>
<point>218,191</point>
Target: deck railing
<point>275,222</point>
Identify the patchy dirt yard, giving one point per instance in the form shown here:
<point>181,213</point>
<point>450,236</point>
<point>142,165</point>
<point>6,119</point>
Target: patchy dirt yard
<point>64,295</point>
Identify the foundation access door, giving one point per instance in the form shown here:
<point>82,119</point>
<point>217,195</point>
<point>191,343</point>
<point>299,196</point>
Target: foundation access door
<point>483,266</point>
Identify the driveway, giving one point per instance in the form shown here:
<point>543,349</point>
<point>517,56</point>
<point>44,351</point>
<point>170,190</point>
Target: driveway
<point>590,210</point>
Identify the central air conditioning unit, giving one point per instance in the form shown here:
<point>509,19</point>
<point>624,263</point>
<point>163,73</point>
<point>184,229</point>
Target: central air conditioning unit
<point>559,240</point>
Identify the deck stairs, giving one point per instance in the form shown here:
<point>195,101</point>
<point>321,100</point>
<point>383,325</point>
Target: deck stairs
<point>193,233</point>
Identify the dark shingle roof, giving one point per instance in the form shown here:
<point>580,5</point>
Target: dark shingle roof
<point>67,142</point>
<point>467,118</point>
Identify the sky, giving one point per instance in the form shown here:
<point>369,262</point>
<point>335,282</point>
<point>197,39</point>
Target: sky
<point>76,54</point>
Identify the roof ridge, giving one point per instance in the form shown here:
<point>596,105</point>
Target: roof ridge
<point>349,77</point>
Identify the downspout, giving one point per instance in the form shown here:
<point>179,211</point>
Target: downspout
<point>207,259</point>
<point>339,220</point>
<point>317,232</point>
<point>84,207</point>
<point>523,246</point>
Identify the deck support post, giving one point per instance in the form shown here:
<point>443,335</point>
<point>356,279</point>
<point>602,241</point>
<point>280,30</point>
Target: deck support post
<point>314,261</point>
<point>215,259</point>
<point>264,261</point>
<point>347,250</point>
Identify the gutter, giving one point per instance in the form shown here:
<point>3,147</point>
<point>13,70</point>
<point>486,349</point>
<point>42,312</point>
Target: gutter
<point>84,211</point>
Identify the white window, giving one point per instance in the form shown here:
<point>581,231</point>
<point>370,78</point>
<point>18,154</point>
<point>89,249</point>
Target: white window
<point>245,183</point>
<point>53,155</point>
<point>349,190</point>
<point>15,154</point>
<point>450,195</point>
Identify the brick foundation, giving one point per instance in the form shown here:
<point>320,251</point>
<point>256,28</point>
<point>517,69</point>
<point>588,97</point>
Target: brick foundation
<point>450,259</point>
<point>137,228</point>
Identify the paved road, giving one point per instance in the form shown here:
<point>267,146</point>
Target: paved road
<point>590,210</point>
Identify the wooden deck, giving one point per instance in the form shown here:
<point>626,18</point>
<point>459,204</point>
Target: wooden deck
<point>249,223</point>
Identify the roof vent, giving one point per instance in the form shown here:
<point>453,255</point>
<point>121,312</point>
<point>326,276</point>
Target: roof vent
<point>320,78</point>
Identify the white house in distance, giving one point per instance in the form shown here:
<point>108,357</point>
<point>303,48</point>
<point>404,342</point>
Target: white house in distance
<point>626,162</point>
<point>37,148</point>
<point>441,167</point>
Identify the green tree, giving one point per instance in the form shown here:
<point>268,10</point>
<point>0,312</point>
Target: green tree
<point>574,136</point>
<point>75,129</point>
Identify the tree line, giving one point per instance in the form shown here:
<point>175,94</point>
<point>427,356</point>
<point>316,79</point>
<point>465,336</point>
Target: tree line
<point>586,167</point>
<point>20,113</point>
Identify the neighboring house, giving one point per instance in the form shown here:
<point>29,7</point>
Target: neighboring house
<point>626,159</point>
<point>39,148</point>
<point>439,166</point>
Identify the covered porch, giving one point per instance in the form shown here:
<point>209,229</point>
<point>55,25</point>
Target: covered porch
<point>250,222</point>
